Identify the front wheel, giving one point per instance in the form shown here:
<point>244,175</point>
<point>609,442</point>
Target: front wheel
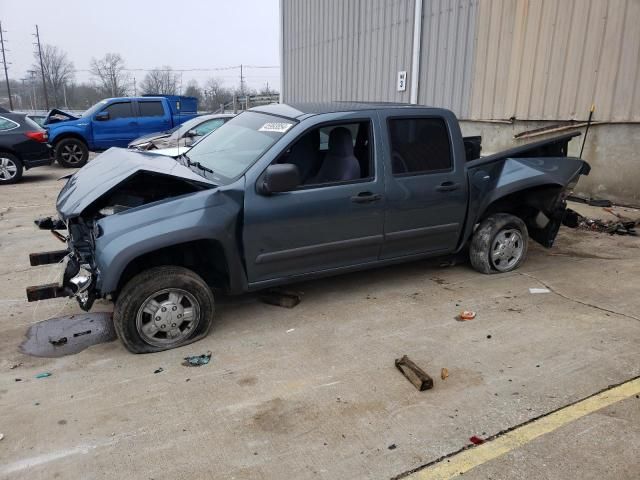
<point>499,244</point>
<point>71,153</point>
<point>163,308</point>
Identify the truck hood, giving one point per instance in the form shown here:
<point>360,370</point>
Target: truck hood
<point>110,169</point>
<point>58,116</point>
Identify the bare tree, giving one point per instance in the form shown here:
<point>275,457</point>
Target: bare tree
<point>215,94</point>
<point>193,90</point>
<point>109,71</point>
<point>161,81</point>
<point>58,70</point>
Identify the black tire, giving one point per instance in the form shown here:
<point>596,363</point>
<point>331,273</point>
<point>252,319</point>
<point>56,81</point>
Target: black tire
<point>486,247</point>
<point>10,168</point>
<point>150,285</point>
<point>71,153</point>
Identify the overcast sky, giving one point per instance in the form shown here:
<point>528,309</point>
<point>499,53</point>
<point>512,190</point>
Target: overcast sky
<point>184,34</point>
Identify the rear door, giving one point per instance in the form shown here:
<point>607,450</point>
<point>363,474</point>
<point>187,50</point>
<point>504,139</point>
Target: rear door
<point>153,116</point>
<point>118,129</point>
<point>426,191</point>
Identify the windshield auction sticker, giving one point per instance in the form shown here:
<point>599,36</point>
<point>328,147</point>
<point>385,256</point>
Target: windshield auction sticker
<point>275,127</point>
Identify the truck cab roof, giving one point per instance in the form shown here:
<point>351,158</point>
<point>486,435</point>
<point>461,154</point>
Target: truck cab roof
<point>302,110</point>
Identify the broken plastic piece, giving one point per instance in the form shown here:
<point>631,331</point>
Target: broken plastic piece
<point>420,379</point>
<point>444,373</point>
<point>467,315</point>
<point>197,360</point>
<point>43,375</point>
<point>539,290</point>
<point>159,370</point>
<point>476,440</point>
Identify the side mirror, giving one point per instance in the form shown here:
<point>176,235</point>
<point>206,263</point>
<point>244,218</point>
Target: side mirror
<point>102,116</point>
<point>191,134</point>
<point>277,178</point>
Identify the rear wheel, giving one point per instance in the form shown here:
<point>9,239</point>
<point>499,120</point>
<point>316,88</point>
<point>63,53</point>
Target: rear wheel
<point>499,244</point>
<point>10,168</point>
<point>163,308</point>
<point>71,153</point>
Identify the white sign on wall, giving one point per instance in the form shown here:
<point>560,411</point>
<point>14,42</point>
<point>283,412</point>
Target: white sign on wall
<point>402,81</point>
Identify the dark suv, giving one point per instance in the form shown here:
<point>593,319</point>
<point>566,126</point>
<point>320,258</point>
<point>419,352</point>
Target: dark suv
<point>23,145</point>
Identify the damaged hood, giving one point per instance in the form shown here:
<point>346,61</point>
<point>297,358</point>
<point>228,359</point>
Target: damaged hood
<point>111,168</point>
<point>57,116</point>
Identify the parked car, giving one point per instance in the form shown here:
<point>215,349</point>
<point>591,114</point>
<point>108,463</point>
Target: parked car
<point>23,145</point>
<point>263,202</point>
<point>114,122</point>
<point>184,135</point>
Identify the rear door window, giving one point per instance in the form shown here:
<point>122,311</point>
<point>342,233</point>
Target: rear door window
<point>119,110</point>
<point>419,146</point>
<point>151,109</point>
<point>208,126</point>
<point>6,124</point>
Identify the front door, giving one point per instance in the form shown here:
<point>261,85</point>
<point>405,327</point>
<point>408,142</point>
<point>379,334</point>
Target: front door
<point>426,190</point>
<point>333,220</point>
<point>117,128</point>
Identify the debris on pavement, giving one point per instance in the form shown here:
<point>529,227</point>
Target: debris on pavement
<point>621,226</point>
<point>539,290</point>
<point>418,377</point>
<point>281,298</point>
<point>393,446</point>
<point>15,365</point>
<point>290,330</point>
<point>197,360</point>
<point>444,373</point>
<point>159,370</point>
<point>467,315</point>
<point>43,375</point>
<point>56,342</point>
<point>1,436</point>
<point>476,440</point>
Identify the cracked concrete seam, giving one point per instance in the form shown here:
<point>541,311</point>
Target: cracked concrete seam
<point>586,304</point>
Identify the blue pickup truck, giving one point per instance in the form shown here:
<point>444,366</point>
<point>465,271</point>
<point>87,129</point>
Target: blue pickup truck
<point>114,122</point>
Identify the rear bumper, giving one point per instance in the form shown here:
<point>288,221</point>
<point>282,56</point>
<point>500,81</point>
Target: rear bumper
<point>37,157</point>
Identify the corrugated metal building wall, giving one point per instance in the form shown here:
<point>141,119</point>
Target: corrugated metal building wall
<point>484,59</point>
<point>345,50</point>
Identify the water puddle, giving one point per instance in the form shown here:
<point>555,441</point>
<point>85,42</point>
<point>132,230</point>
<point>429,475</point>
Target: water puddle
<point>57,337</point>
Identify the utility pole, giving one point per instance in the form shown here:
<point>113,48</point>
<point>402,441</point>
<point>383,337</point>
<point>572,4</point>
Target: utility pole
<point>241,81</point>
<point>6,72</point>
<point>44,83</point>
<point>135,89</point>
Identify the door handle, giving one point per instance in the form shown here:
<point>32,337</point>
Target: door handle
<point>447,187</point>
<point>366,197</point>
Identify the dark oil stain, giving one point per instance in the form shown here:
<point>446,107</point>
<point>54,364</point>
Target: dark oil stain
<point>280,416</point>
<point>62,422</point>
<point>247,381</point>
<point>60,336</point>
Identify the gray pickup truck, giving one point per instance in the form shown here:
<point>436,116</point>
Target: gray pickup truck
<point>284,193</point>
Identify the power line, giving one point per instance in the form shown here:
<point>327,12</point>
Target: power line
<point>44,83</point>
<point>6,72</point>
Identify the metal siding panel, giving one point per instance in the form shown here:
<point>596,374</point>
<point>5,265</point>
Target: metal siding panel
<point>626,89</point>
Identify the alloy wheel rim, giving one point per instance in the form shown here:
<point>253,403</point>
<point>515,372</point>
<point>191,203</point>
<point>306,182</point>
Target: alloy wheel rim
<point>507,249</point>
<point>168,317</point>
<point>72,153</point>
<point>8,169</point>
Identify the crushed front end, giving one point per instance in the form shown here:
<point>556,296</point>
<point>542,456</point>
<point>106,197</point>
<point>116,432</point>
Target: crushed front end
<point>77,268</point>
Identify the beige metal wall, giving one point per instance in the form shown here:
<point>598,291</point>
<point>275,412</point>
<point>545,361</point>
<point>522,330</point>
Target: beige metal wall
<point>551,59</point>
<point>345,50</point>
<point>447,54</point>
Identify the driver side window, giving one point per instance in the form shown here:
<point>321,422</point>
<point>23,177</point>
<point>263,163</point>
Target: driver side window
<point>330,154</point>
<point>119,110</point>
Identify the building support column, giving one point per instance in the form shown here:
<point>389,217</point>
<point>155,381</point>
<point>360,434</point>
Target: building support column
<point>415,56</point>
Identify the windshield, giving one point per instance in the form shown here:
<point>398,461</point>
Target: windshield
<point>93,109</point>
<point>229,151</point>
